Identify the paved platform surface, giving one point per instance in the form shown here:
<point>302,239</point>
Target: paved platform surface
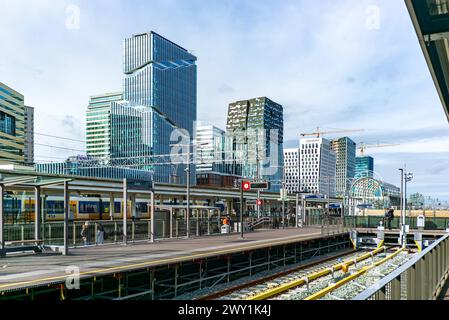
<point>34,270</point>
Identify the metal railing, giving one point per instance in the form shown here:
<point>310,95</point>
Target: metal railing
<point>421,278</point>
<point>372,222</point>
<point>52,233</point>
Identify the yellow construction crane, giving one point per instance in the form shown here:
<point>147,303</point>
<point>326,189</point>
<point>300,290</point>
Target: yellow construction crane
<point>319,133</point>
<point>363,146</point>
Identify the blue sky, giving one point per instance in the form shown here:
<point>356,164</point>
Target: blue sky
<point>320,60</point>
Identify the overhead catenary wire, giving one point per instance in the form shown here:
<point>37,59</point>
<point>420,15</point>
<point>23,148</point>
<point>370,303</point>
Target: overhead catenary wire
<point>58,137</point>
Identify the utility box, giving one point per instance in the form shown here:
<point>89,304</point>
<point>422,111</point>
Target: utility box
<point>225,229</point>
<point>421,221</point>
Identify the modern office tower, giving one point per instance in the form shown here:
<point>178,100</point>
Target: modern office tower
<point>364,167</point>
<point>12,126</point>
<point>162,75</point>
<point>29,135</point>
<point>255,131</point>
<point>345,151</point>
<point>291,165</point>
<point>317,166</point>
<point>209,149</point>
<point>98,124</point>
<point>123,135</point>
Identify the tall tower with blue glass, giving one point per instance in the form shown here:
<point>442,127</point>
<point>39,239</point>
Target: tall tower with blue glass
<point>162,75</point>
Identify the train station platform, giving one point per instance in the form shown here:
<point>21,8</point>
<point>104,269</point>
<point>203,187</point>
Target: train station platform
<point>33,271</point>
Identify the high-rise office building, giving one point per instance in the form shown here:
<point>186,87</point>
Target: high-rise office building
<point>291,167</point>
<point>317,166</point>
<point>98,124</point>
<point>29,135</point>
<point>209,149</point>
<point>161,75</point>
<point>255,133</point>
<point>12,126</point>
<point>345,151</point>
<point>364,167</point>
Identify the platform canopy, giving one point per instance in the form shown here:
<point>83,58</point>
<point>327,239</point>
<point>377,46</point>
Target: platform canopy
<point>19,179</point>
<point>431,21</point>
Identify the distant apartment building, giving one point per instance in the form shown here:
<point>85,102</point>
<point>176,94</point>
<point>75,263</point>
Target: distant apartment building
<point>254,140</point>
<point>29,135</point>
<point>364,167</point>
<point>317,166</point>
<point>291,170</point>
<point>12,126</point>
<point>345,151</point>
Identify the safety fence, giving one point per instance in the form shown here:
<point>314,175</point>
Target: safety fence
<point>421,278</point>
<point>371,222</point>
<point>52,233</point>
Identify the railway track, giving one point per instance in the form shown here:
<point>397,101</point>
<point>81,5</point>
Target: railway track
<point>309,282</point>
<point>243,286</point>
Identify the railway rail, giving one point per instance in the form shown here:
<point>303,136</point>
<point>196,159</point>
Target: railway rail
<point>313,281</point>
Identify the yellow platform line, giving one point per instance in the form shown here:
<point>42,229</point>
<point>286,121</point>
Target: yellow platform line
<point>296,283</point>
<point>340,283</point>
<point>150,263</point>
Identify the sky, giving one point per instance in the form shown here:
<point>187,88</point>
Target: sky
<point>347,64</point>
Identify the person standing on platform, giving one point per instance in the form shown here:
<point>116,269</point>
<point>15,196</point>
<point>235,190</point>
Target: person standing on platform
<point>100,233</point>
<point>85,233</point>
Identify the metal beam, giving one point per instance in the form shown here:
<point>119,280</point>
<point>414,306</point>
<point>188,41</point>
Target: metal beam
<point>11,182</point>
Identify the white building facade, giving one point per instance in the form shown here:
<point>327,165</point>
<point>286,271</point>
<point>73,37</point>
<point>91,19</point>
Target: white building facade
<point>291,167</point>
<point>209,149</point>
<point>317,165</point>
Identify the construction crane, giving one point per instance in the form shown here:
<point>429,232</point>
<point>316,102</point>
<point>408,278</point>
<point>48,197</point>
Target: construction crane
<point>362,147</point>
<point>319,133</point>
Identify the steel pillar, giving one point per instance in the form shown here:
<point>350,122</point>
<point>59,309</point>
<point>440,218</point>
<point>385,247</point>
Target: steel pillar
<point>37,213</point>
<point>133,206</point>
<point>111,206</point>
<point>125,209</point>
<point>66,218</point>
<point>152,217</point>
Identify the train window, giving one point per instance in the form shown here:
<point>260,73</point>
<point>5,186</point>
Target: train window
<point>54,207</point>
<point>117,207</point>
<point>89,207</point>
<point>142,207</point>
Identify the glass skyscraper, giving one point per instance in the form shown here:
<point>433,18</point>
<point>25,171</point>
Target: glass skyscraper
<point>345,150</point>
<point>255,133</point>
<point>364,167</point>
<point>162,75</point>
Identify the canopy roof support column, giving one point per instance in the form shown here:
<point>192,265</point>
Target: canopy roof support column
<point>37,213</point>
<point>66,217</point>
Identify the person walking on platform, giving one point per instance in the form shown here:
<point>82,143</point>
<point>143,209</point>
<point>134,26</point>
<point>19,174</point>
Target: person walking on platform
<point>389,216</point>
<point>100,233</point>
<point>85,233</point>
